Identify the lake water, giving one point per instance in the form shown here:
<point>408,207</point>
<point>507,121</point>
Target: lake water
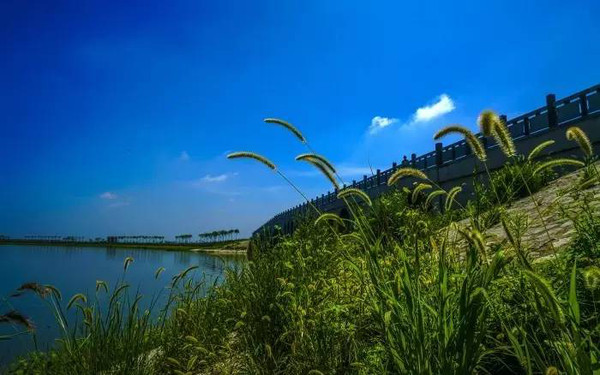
<point>75,270</point>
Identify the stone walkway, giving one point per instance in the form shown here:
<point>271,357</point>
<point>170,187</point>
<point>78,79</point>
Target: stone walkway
<point>552,202</point>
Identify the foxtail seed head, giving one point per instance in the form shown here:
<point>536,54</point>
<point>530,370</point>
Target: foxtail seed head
<point>487,121</point>
<point>288,126</point>
<point>75,298</point>
<point>329,217</point>
<point>539,148</point>
<point>324,170</point>
<point>15,317</point>
<point>503,137</point>
<point>252,155</point>
<point>406,172</point>
<point>557,163</point>
<point>473,142</point>
<point>357,192</point>
<point>591,277</point>
<point>419,188</point>
<point>126,263</point>
<point>318,157</point>
<point>433,195</point>
<point>576,134</point>
<point>450,197</point>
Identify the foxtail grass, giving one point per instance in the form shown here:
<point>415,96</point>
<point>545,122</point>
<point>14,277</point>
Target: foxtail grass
<point>348,192</point>
<point>288,126</point>
<point>491,125</point>
<point>433,195</point>
<point>318,158</point>
<point>252,155</point>
<point>329,217</point>
<point>474,143</point>
<point>539,148</point>
<point>554,163</point>
<point>324,169</point>
<point>574,133</point>
<point>417,190</point>
<point>406,172</point>
<point>487,121</point>
<point>451,196</point>
<point>15,317</point>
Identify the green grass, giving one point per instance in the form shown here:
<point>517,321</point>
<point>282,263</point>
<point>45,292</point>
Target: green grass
<point>386,291</point>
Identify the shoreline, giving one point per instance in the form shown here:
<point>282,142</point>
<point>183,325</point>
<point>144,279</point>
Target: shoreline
<point>216,249</point>
<point>220,251</point>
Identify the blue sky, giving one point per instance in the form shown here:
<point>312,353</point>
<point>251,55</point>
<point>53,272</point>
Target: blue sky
<point>116,116</point>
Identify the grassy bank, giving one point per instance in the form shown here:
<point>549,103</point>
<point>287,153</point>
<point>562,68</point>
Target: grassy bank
<point>404,286</point>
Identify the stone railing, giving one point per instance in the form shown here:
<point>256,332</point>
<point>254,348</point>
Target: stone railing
<point>555,113</point>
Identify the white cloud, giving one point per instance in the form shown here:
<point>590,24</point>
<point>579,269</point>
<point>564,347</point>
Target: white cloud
<point>219,178</point>
<point>443,105</point>
<point>210,179</point>
<point>378,123</point>
<point>108,195</point>
<point>184,156</point>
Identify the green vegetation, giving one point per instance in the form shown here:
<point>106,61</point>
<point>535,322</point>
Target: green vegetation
<point>401,287</point>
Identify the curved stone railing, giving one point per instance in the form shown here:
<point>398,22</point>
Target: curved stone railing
<point>555,113</point>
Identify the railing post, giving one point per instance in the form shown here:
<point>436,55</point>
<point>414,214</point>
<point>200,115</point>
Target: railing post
<point>394,166</point>
<point>453,152</point>
<point>504,119</point>
<point>404,161</point>
<point>365,182</point>
<point>439,159</point>
<point>526,126</point>
<point>583,105</point>
<point>413,160</point>
<point>353,183</point>
<point>378,177</point>
<point>551,108</point>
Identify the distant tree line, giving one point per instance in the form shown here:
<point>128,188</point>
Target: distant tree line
<point>184,238</point>
<point>219,235</point>
<point>142,239</point>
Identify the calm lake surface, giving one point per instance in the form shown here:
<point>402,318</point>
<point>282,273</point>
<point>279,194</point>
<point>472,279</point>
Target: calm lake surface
<point>75,270</point>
